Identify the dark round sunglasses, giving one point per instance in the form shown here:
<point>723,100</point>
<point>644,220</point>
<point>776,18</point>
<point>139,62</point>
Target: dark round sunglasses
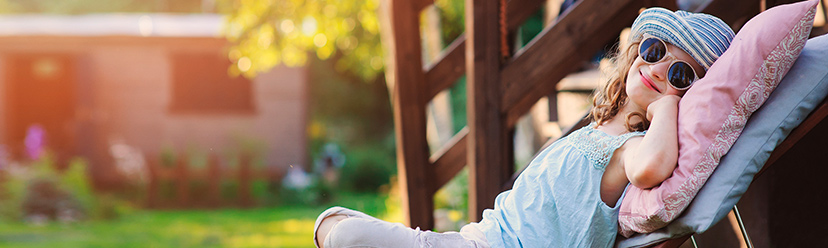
<point>680,74</point>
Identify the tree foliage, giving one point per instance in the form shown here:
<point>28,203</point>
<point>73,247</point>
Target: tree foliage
<point>267,33</point>
<point>451,13</point>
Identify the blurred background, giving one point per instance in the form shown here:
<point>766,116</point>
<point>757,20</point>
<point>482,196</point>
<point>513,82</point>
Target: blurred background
<point>199,123</point>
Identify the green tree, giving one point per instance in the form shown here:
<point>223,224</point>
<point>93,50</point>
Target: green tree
<point>267,33</point>
<point>339,42</point>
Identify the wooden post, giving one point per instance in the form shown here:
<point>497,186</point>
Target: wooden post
<point>489,144</point>
<point>152,185</point>
<point>183,178</point>
<point>552,104</point>
<point>414,171</point>
<point>213,181</point>
<point>245,181</point>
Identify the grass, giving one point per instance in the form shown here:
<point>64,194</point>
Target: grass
<point>285,226</point>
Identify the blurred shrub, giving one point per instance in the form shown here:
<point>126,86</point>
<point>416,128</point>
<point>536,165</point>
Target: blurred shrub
<point>229,190</point>
<point>451,203</point>
<point>12,190</point>
<point>265,192</point>
<point>454,195</point>
<point>168,157</point>
<point>38,190</point>
<point>44,199</point>
<point>312,195</point>
<point>368,167</point>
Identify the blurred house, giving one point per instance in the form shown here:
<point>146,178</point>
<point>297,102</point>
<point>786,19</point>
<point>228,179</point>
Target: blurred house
<point>151,82</point>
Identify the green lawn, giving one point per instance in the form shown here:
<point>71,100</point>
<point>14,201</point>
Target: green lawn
<point>264,227</point>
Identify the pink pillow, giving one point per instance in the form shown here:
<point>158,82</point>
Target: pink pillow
<point>713,112</point>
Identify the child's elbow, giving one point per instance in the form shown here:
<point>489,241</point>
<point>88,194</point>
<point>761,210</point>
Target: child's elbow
<point>652,173</point>
<point>646,180</point>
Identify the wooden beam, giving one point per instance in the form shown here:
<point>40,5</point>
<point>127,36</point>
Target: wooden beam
<point>489,152</point>
<point>559,49</point>
<point>450,159</point>
<point>419,5</point>
<point>448,68</point>
<point>517,11</point>
<point>409,115</point>
<point>450,65</point>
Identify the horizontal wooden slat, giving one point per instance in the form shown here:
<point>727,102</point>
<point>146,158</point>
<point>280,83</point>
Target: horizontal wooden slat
<point>450,65</point>
<point>560,48</point>
<point>448,68</point>
<point>517,11</point>
<point>449,160</point>
<point>803,129</point>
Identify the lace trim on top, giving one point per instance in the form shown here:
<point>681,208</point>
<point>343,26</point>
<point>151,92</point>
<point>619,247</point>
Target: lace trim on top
<point>597,145</point>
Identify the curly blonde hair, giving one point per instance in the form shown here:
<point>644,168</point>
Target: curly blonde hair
<point>613,95</point>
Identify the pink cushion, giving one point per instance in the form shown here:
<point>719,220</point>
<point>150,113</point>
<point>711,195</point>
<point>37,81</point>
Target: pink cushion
<point>714,111</point>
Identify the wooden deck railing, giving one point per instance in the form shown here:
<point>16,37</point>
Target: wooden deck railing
<point>500,89</point>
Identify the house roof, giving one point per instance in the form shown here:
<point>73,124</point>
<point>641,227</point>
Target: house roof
<point>121,24</point>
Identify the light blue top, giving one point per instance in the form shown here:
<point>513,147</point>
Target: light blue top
<point>556,201</point>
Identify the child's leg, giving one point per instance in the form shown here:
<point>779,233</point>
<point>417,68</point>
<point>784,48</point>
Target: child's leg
<point>325,227</point>
<point>359,232</point>
<point>329,218</point>
<point>355,229</point>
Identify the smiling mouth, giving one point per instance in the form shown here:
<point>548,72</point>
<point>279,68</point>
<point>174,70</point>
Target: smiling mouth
<point>648,83</point>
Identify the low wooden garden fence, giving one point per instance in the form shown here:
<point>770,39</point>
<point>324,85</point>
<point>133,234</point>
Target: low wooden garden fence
<point>183,177</point>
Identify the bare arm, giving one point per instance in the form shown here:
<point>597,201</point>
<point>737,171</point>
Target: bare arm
<point>654,157</point>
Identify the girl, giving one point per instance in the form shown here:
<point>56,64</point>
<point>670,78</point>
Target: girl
<point>569,195</point>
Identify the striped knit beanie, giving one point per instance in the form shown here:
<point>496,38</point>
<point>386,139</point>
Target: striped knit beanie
<point>704,37</point>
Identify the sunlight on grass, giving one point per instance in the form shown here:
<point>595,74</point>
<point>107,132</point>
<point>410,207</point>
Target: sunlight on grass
<point>285,226</point>
<point>260,240</point>
<point>285,233</point>
<point>222,228</point>
<point>292,226</point>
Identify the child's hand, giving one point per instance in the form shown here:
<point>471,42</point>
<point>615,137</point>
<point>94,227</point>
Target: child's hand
<point>655,157</point>
<point>661,104</point>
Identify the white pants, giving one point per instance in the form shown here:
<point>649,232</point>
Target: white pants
<point>362,230</point>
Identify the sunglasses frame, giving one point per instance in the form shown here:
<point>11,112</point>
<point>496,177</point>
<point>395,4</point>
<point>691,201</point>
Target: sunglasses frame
<point>668,54</point>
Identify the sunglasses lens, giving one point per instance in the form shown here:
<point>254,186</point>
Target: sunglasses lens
<point>652,50</point>
<point>681,75</point>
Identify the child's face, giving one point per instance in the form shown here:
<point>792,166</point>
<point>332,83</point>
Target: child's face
<point>647,82</point>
